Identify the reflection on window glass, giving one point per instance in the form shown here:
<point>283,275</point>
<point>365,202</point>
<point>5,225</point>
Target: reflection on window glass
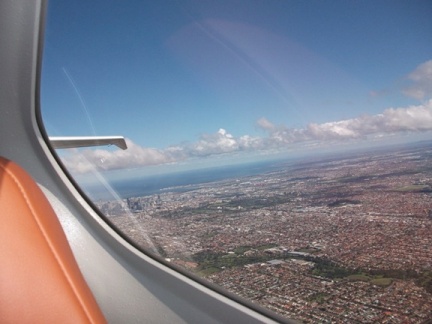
<point>280,149</point>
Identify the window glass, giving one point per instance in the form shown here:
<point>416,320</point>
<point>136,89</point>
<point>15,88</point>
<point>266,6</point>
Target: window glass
<point>279,149</point>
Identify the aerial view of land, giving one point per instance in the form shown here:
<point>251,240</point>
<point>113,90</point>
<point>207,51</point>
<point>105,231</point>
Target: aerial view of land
<point>341,238</point>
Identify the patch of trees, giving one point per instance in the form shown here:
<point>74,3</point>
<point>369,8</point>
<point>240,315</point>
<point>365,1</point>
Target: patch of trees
<point>355,179</point>
<point>329,269</point>
<point>425,280</point>
<point>422,279</point>
<point>395,273</point>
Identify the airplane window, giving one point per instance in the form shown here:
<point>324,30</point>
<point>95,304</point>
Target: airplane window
<point>279,149</point>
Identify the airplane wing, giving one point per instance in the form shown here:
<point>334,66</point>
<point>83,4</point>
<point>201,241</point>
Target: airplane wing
<point>84,141</point>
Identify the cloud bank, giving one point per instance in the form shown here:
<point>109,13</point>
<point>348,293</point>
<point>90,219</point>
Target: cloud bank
<point>416,118</point>
<point>86,160</point>
<point>393,120</point>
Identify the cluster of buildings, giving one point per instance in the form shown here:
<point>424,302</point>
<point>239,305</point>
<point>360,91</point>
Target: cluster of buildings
<point>367,213</point>
<point>290,290</point>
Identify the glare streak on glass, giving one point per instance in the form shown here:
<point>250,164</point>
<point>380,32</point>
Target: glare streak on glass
<point>83,104</point>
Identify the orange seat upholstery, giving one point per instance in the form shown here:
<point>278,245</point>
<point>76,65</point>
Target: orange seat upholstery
<point>40,281</point>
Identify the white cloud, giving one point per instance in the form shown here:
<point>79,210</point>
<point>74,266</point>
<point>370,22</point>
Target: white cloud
<point>265,124</point>
<point>134,156</point>
<point>392,120</point>
<point>220,142</point>
<point>421,79</point>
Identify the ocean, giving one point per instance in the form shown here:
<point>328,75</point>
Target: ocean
<point>179,181</point>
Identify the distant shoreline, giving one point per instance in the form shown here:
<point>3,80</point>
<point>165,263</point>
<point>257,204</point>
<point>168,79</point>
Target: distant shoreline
<point>183,181</point>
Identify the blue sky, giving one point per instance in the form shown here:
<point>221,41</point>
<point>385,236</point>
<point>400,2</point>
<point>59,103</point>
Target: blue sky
<point>184,80</point>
